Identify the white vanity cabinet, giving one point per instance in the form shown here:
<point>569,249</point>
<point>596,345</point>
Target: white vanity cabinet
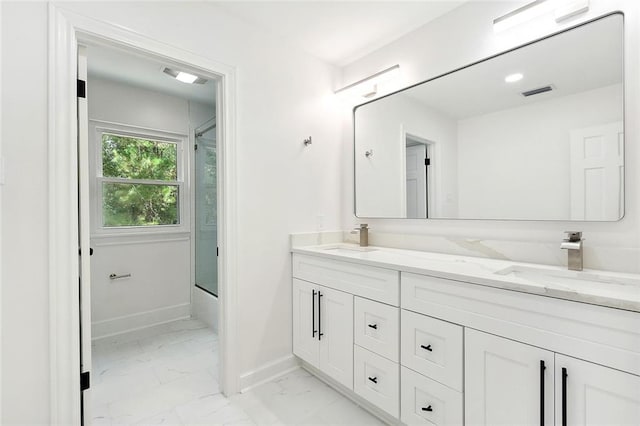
<point>508,382</point>
<point>437,351</point>
<point>504,380</point>
<point>323,329</point>
<point>594,395</point>
<point>363,336</point>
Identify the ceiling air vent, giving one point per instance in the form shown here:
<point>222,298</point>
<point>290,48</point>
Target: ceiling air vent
<point>537,91</point>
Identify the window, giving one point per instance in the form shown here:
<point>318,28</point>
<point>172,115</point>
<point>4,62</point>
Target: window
<point>138,181</point>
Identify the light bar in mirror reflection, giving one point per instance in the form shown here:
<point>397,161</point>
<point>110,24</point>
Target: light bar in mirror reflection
<point>468,145</point>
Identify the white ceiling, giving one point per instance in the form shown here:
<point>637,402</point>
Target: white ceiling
<point>144,72</point>
<point>339,32</point>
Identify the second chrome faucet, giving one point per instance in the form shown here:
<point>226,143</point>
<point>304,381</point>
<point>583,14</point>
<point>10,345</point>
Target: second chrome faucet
<point>573,245</point>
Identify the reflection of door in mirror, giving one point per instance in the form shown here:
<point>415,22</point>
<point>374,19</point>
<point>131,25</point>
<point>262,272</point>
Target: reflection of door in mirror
<point>597,172</point>
<point>417,178</point>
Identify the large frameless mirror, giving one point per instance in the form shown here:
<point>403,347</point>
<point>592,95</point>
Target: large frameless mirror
<point>536,133</point>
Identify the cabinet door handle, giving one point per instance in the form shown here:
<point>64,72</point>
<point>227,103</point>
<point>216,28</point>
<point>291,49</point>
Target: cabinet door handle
<point>374,379</point>
<point>542,368</point>
<point>564,396</point>
<point>374,326</point>
<point>320,333</point>
<point>426,348</point>
<point>427,408</point>
<point>313,315</point>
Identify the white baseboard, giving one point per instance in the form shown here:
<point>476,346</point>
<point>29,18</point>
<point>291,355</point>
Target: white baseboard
<point>113,326</point>
<point>267,372</point>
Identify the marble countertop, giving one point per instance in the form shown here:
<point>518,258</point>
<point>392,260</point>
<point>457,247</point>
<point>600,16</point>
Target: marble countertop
<point>611,289</point>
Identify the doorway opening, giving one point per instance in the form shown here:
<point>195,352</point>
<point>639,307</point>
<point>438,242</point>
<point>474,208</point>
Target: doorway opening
<point>149,211</point>
<point>419,186</point>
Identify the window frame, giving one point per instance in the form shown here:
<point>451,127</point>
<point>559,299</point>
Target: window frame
<point>97,129</point>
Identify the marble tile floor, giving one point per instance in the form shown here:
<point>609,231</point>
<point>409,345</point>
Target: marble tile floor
<point>167,375</point>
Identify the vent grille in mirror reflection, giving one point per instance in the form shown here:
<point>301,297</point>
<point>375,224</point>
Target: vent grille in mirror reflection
<point>537,91</point>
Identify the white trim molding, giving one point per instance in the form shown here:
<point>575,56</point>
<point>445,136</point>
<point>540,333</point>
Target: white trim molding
<point>66,28</point>
<point>139,321</point>
<point>267,372</point>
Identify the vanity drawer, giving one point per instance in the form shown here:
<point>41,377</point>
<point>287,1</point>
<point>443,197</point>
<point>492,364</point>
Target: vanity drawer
<point>362,280</point>
<point>427,402</point>
<point>377,328</point>
<point>377,380</point>
<point>432,347</point>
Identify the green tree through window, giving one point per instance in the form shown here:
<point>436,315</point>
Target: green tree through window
<point>139,186</point>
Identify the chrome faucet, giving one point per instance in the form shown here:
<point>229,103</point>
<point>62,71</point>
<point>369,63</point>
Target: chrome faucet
<point>573,245</point>
<point>364,234</point>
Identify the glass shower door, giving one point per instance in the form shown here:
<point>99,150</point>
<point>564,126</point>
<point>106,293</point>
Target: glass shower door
<point>206,232</point>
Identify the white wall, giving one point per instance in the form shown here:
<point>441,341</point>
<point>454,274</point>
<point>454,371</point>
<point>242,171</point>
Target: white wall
<point>25,291</point>
<point>381,178</point>
<point>511,166</point>
<point>283,96</point>
<point>466,35</point>
<point>160,265</point>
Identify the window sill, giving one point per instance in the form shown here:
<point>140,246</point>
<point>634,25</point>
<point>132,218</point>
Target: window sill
<point>137,237</point>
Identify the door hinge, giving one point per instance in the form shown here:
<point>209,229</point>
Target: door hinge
<point>82,89</point>
<point>217,251</point>
<point>195,147</point>
<point>427,161</point>
<point>90,251</point>
<point>85,380</point>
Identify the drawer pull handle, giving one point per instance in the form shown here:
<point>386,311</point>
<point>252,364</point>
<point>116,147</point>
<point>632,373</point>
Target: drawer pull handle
<point>374,379</point>
<point>374,326</point>
<point>427,408</point>
<point>426,348</point>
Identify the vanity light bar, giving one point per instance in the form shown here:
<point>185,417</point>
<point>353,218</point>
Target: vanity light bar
<point>519,15</point>
<point>366,79</point>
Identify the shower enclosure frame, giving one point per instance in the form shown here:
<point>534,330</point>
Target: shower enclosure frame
<point>66,30</point>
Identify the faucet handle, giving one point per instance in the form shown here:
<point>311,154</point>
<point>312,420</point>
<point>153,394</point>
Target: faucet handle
<point>573,236</point>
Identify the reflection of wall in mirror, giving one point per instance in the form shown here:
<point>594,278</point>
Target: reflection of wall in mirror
<point>529,162</point>
<point>380,179</point>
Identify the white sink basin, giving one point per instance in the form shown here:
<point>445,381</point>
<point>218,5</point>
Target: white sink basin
<point>350,247</point>
<point>566,278</point>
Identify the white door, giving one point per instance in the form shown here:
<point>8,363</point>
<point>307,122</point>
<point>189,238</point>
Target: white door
<point>503,382</point>
<point>336,335</point>
<point>595,395</point>
<point>597,172</point>
<point>305,322</point>
<point>416,181</point>
<point>84,232</point>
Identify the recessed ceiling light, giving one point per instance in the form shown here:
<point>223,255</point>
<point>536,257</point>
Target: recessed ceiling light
<point>185,77</point>
<point>182,76</point>
<point>512,78</point>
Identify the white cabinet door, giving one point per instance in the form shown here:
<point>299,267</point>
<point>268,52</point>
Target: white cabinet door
<point>336,335</point>
<point>590,394</point>
<point>305,322</point>
<point>503,382</point>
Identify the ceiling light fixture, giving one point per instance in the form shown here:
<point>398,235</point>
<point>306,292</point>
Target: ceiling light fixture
<point>562,9</point>
<point>369,87</point>
<point>512,78</point>
<point>184,77</point>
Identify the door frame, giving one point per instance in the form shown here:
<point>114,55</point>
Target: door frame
<point>66,28</point>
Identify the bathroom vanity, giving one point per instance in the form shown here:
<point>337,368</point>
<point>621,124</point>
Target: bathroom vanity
<point>428,338</point>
